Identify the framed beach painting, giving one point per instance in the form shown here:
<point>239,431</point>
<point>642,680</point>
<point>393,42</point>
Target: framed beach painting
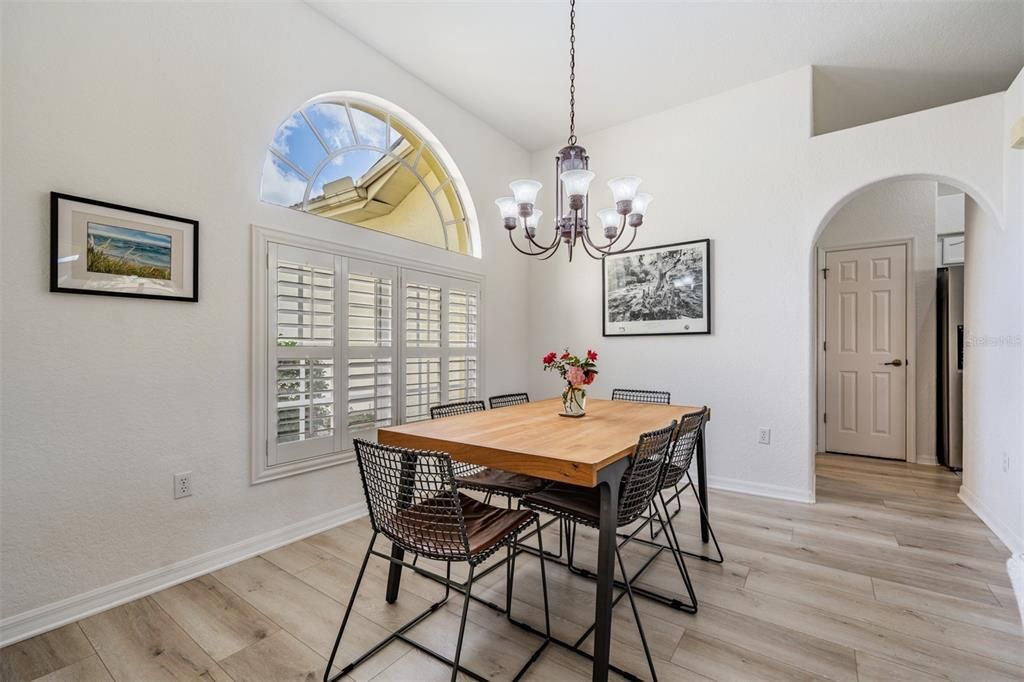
<point>111,250</point>
<point>658,290</point>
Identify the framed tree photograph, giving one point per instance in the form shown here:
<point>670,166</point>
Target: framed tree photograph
<point>658,290</point>
<point>111,250</point>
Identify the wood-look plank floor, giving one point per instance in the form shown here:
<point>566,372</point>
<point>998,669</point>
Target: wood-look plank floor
<point>887,577</point>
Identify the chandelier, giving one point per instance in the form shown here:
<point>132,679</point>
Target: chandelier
<point>572,182</point>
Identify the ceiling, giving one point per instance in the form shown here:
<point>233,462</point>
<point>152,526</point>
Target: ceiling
<point>507,62</point>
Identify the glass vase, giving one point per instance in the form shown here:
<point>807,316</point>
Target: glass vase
<point>574,402</point>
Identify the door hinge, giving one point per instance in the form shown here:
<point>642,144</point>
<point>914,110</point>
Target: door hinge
<point>824,273</point>
<point>824,417</point>
<point>824,345</point>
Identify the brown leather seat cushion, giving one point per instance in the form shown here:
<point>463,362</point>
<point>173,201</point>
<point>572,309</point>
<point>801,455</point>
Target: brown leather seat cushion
<point>429,527</point>
<point>572,500</point>
<point>503,482</point>
<point>487,525</point>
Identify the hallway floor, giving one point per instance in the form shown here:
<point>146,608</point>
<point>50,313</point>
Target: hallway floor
<point>888,577</point>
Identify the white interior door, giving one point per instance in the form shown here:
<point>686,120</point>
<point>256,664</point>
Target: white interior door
<point>866,351</point>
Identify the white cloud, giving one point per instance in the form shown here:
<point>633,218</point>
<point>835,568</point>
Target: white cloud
<point>280,186</point>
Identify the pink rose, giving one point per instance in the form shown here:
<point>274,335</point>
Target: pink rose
<point>575,376</point>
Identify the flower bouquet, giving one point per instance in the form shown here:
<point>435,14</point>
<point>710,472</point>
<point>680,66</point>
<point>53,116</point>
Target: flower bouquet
<point>577,372</point>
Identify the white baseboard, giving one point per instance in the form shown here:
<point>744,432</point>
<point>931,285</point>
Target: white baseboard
<point>735,485</point>
<point>1015,566</point>
<point>44,618</point>
<point>1014,543</point>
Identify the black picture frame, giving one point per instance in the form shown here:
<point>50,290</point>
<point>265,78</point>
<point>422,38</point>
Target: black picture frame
<point>707,287</point>
<point>55,234</point>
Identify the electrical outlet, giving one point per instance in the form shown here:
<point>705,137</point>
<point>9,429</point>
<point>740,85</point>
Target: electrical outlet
<point>183,485</point>
<point>764,436</point>
<point>1006,462</point>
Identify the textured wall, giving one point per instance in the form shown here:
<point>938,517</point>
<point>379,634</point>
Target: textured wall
<point>742,169</point>
<point>170,107</point>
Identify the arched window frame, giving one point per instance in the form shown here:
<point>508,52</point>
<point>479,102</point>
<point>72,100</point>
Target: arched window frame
<point>429,141</point>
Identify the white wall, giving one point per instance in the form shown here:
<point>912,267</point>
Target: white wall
<point>170,107</point>
<point>710,178</point>
<point>993,402</point>
<point>902,209</point>
<point>742,169</point>
<point>994,356</point>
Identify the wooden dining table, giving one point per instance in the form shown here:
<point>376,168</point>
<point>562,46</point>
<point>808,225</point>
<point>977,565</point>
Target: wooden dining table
<point>535,439</point>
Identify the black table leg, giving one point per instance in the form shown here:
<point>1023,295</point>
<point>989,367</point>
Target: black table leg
<point>404,500</point>
<point>702,487</point>
<point>394,574</point>
<point>609,487</point>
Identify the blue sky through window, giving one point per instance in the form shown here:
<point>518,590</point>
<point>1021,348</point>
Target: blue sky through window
<point>328,141</point>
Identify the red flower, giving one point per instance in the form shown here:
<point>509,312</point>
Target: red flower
<point>588,378</point>
<point>565,356</point>
<point>591,355</point>
<point>549,358</point>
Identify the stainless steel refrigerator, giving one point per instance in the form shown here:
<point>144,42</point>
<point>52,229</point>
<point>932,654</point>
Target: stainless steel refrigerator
<point>950,359</point>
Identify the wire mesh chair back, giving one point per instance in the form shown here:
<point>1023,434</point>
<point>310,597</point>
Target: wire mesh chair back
<point>412,500</point>
<point>462,469</point>
<point>684,446</point>
<point>452,409</point>
<point>640,395</point>
<point>508,400</point>
<point>640,482</point>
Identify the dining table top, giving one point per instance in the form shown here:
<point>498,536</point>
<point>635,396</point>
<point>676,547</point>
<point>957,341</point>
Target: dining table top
<point>533,438</point>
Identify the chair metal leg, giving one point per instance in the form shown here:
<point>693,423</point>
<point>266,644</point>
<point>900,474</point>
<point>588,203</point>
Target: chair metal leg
<point>677,553</point>
<point>348,609</point>
<point>706,522</point>
<point>636,615</point>
<point>462,624</point>
<point>543,581</point>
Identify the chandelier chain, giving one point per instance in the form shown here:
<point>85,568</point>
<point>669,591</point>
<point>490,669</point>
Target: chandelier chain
<point>572,72</point>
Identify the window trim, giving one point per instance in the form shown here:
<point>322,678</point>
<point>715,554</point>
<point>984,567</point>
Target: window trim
<point>262,237</point>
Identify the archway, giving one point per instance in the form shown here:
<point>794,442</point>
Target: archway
<point>921,376</point>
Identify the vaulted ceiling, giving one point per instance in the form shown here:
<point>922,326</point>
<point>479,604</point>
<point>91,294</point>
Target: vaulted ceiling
<point>507,62</point>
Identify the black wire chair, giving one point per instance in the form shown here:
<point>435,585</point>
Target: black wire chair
<point>580,505</point>
<point>484,479</point>
<point>640,395</point>
<point>508,400</point>
<point>683,449</point>
<point>413,501</point>
<point>451,410</point>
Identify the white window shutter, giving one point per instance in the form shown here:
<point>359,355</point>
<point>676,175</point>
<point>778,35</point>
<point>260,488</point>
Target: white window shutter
<point>463,340</point>
<point>302,347</point>
<point>423,343</point>
<point>351,345</point>
<point>371,350</point>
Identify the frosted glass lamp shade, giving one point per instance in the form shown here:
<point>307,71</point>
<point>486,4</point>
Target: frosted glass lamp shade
<point>640,203</point>
<point>534,219</point>
<point>609,217</point>
<point>624,188</point>
<point>525,191</point>
<point>508,207</point>
<point>577,182</point>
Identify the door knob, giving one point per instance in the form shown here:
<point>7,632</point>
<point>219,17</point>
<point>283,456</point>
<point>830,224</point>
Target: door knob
<point>895,363</point>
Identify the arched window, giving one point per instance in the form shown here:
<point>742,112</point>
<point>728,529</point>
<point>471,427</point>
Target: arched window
<point>360,160</point>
